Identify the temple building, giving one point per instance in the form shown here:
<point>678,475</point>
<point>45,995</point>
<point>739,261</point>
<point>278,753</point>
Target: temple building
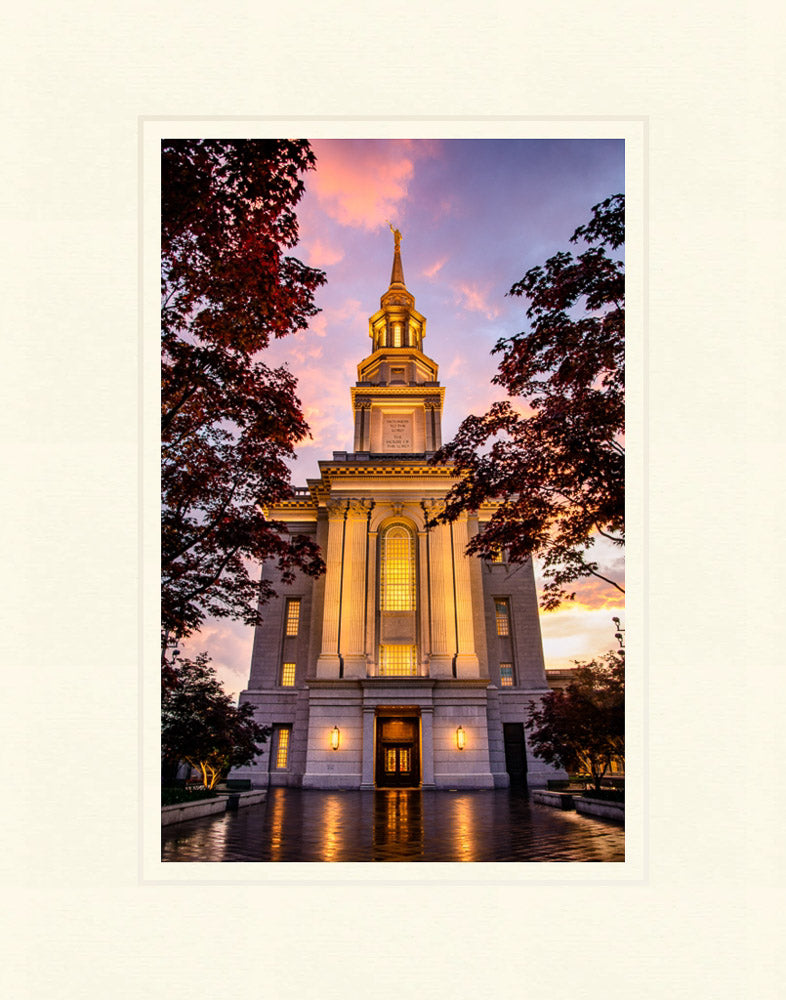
<point>408,664</point>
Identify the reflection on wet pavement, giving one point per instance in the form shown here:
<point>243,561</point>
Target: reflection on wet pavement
<point>394,825</point>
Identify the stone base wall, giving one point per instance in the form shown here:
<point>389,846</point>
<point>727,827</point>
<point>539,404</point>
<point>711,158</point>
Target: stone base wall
<point>312,711</point>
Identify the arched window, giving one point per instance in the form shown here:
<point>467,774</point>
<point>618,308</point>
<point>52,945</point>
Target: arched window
<point>397,579</point>
<point>397,595</point>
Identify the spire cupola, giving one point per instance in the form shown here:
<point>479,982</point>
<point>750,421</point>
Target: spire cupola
<point>397,324</point>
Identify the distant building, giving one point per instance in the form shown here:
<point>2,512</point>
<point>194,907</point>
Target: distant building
<point>559,677</point>
<point>408,664</point>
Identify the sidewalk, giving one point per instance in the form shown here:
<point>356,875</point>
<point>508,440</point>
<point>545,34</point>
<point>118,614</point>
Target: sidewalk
<point>296,825</point>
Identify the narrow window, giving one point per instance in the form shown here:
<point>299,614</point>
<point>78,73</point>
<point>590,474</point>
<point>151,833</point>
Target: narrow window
<point>497,557</point>
<point>282,748</point>
<point>506,675</point>
<point>503,616</point>
<point>293,616</point>
<point>288,675</point>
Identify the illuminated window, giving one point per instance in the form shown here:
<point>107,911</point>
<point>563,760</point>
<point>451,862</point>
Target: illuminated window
<point>293,615</point>
<point>503,617</point>
<point>397,335</point>
<point>506,675</point>
<point>397,661</point>
<point>288,675</point>
<point>497,557</point>
<point>397,579</point>
<point>282,748</point>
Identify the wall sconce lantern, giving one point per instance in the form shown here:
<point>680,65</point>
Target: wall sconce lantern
<point>335,735</point>
<point>460,738</point>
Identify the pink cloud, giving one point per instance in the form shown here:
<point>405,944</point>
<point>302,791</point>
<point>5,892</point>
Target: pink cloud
<point>229,643</point>
<point>429,272</point>
<point>319,253</point>
<point>317,325</point>
<point>454,367</point>
<point>476,299</point>
<point>361,183</point>
<point>575,632</point>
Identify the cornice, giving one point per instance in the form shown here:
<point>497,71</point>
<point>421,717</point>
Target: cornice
<point>388,468</point>
<point>421,391</point>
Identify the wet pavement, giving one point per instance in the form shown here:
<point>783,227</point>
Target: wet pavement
<point>393,825</point>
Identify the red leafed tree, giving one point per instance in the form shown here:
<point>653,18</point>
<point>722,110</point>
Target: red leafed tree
<point>228,421</point>
<point>582,728</point>
<point>555,467</point>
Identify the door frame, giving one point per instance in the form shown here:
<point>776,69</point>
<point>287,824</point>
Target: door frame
<point>405,713</point>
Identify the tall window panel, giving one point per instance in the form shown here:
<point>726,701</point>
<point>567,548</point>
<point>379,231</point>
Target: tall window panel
<point>502,609</point>
<point>397,578</point>
<point>288,675</point>
<point>506,675</point>
<point>293,616</point>
<point>282,748</point>
<point>397,661</point>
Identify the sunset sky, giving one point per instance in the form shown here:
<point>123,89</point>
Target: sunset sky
<point>475,214</point>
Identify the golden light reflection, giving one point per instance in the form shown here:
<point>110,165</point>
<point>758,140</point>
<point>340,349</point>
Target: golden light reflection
<point>460,738</point>
<point>276,802</point>
<point>331,818</point>
<point>398,823</point>
<point>463,830</point>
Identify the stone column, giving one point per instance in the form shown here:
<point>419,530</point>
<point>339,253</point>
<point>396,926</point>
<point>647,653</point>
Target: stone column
<point>424,646</point>
<point>467,660</point>
<point>433,419</point>
<point>367,776</point>
<point>353,600</point>
<point>371,603</point>
<point>443,641</point>
<point>362,415</point>
<point>328,662</point>
<point>427,745</point>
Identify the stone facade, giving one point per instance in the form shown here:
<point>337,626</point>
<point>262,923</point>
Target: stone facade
<point>408,663</point>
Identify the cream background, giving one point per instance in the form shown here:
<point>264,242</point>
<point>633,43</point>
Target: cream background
<point>701,917</point>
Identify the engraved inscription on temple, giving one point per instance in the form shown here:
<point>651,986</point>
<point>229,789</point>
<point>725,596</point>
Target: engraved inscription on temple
<point>397,433</point>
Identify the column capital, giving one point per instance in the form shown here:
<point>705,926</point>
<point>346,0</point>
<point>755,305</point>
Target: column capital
<point>358,508</point>
<point>433,507</point>
<point>336,508</point>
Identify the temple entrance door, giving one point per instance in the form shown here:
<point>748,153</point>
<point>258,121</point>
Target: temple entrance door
<point>398,753</point>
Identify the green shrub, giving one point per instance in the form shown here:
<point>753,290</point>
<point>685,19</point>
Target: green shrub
<point>605,795</point>
<point>174,796</point>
